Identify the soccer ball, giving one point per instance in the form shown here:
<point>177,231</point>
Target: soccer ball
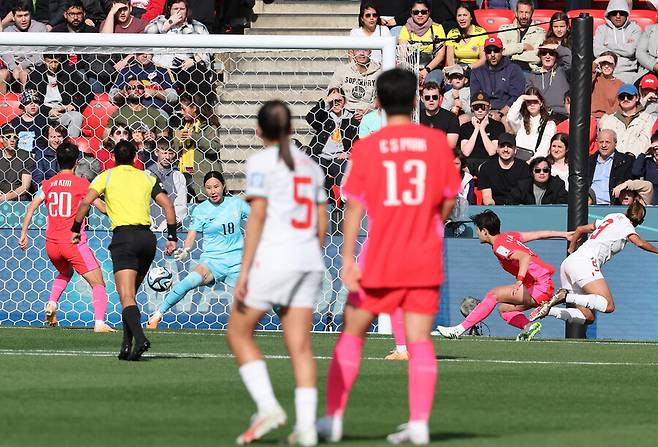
<point>159,279</point>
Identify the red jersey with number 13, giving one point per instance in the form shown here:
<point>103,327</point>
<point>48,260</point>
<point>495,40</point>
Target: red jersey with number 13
<point>62,194</point>
<point>402,174</point>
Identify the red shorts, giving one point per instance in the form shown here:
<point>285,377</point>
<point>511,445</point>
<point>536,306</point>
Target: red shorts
<point>67,255</point>
<point>422,300</point>
<point>541,290</point>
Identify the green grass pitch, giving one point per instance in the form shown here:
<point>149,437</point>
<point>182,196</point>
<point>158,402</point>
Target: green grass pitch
<point>66,387</point>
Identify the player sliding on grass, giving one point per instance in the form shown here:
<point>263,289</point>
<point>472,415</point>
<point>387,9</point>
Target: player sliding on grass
<point>282,265</point>
<point>580,274</point>
<point>534,283</point>
<point>62,194</point>
<point>220,219</point>
<point>403,177</point>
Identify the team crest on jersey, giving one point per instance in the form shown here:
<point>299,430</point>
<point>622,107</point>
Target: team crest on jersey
<point>256,180</point>
<point>503,251</point>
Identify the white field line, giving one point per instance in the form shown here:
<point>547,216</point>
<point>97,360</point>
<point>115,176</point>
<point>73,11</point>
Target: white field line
<point>279,334</point>
<point>206,355</point>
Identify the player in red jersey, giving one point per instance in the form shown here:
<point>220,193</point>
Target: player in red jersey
<point>403,177</point>
<point>534,282</point>
<point>62,194</point>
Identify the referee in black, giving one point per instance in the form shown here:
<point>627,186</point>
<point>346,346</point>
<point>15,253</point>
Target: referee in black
<point>127,193</point>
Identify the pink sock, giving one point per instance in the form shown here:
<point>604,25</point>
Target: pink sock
<point>99,302</point>
<point>422,379</point>
<point>515,318</point>
<point>342,372</point>
<point>481,312</point>
<point>397,324</point>
<point>59,285</point>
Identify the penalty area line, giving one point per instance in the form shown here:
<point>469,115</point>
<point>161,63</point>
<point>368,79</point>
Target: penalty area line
<point>207,355</point>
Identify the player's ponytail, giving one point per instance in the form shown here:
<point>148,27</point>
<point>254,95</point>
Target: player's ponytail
<point>275,124</point>
<point>636,212</point>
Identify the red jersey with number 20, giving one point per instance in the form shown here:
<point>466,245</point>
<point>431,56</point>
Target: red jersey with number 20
<point>506,244</point>
<point>402,174</point>
<point>62,194</point>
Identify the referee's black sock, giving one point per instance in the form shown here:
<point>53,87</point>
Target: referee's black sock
<point>131,318</point>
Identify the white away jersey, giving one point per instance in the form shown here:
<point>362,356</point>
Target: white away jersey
<point>609,237</point>
<point>289,240</point>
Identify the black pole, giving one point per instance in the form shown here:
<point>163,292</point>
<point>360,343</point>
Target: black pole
<point>579,121</point>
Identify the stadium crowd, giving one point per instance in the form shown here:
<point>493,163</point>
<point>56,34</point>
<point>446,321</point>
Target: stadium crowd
<point>503,98</point>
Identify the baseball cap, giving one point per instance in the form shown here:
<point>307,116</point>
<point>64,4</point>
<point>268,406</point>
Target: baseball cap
<point>30,95</point>
<point>649,81</point>
<point>480,98</point>
<point>493,42</point>
<point>138,126</point>
<point>627,88</point>
<point>455,69</point>
<point>506,139</point>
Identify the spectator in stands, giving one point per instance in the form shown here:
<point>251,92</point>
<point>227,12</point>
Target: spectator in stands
<point>158,83</point>
<point>529,118</point>
<point>396,12</point>
<point>625,193</point>
<point>64,90</point>
<point>335,131</point>
<point>559,29</point>
<point>434,116</point>
<point>542,188</point>
<point>621,36</point>
<point>197,138</point>
<point>552,78</point>
<point>121,20</point>
<point>648,94</point>
<point>45,159</point>
<point>94,11</point>
<point>501,80</point>
<point>466,48</point>
<point>144,140</point>
<point>420,28</point>
<point>31,125</point>
<point>135,111</point>
<point>563,127</point>
<point>604,84</point>
<point>75,14</point>
<point>372,122</point>
<point>192,70</point>
<point>498,176</point>
<point>631,124</point>
<point>468,181</point>
<point>521,38</point>
<point>645,167</point>
<point>478,138</point>
<point>19,65</point>
<point>647,49</point>
<point>16,168</point>
<point>172,180</point>
<point>370,26</point>
<point>457,100</point>
<point>558,157</point>
<point>608,168</point>
<point>357,80</point>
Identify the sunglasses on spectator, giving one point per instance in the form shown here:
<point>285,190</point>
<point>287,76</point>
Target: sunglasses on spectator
<point>431,97</point>
<point>626,97</point>
<point>121,132</point>
<point>477,107</point>
<point>419,12</point>
<point>370,15</point>
<point>492,50</point>
<point>546,53</point>
<point>10,136</point>
<point>618,13</point>
<point>542,170</point>
<point>134,87</point>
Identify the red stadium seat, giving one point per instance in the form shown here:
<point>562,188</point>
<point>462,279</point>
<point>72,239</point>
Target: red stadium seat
<point>544,15</point>
<point>597,14</point>
<point>96,115</point>
<point>493,19</point>
<point>9,107</point>
<point>644,18</point>
<point>88,145</point>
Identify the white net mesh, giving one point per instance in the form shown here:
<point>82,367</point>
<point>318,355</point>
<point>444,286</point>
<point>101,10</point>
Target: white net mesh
<point>206,111</point>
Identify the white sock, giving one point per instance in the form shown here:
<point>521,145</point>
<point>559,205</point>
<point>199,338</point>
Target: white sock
<point>99,322</point>
<point>419,432</point>
<point>591,301</point>
<point>401,348</point>
<point>306,403</point>
<point>257,380</point>
<point>571,315</point>
<point>461,328</point>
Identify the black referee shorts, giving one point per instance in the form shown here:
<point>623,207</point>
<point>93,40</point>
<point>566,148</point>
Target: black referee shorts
<point>133,247</point>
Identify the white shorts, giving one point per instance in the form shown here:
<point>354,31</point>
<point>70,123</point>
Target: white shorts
<point>267,288</point>
<point>577,271</point>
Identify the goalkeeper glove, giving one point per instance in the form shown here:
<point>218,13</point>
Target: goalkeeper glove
<point>182,254</point>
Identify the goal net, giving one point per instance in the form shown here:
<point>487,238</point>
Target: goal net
<point>196,94</point>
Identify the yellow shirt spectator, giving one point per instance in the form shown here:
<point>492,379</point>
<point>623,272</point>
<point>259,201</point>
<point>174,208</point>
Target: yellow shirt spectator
<point>467,52</point>
<point>436,30</point>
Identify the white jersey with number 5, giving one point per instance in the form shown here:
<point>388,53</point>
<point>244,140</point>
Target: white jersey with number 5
<point>609,238</point>
<point>289,240</point>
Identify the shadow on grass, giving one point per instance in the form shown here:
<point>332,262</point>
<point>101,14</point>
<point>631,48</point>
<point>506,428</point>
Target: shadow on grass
<point>172,357</point>
<point>449,357</point>
<point>444,436</point>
